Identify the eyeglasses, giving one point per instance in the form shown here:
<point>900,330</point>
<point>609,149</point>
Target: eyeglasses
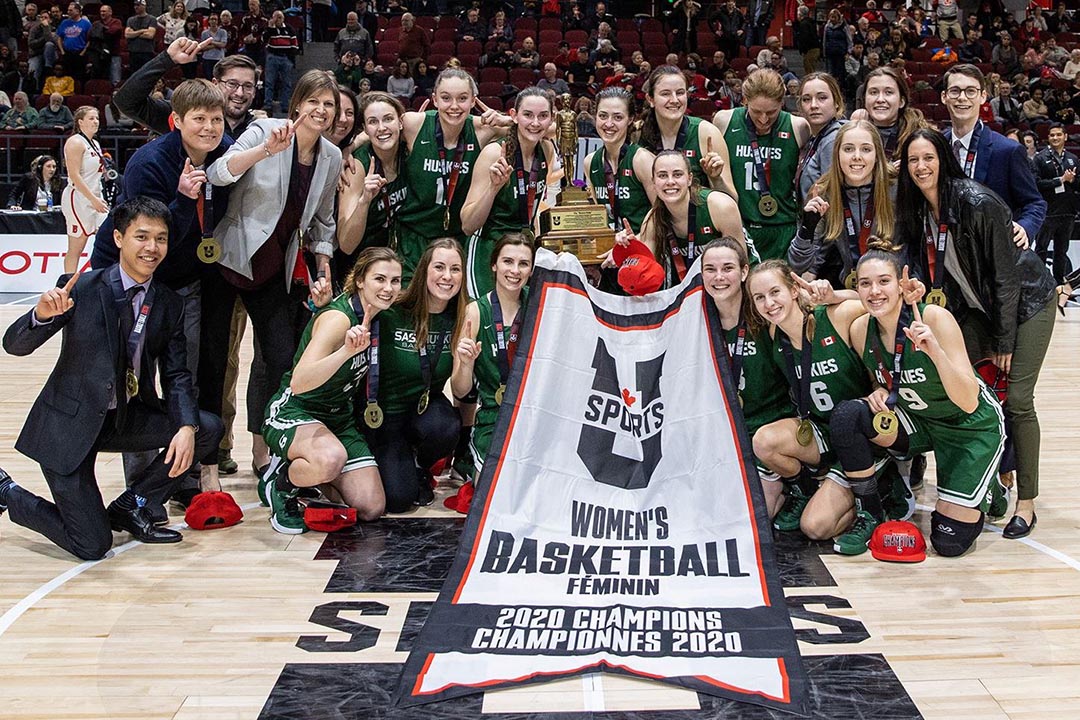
<point>969,92</point>
<point>233,86</point>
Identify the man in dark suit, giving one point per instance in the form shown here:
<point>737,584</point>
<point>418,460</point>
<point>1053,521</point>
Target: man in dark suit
<point>989,157</point>
<point>119,324</point>
<point>1057,169</point>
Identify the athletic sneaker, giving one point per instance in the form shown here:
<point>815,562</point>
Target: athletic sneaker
<point>854,541</point>
<point>226,464</point>
<point>787,520</point>
<point>286,515</point>
<point>426,494</point>
<point>897,499</point>
<point>269,477</point>
<point>999,501</point>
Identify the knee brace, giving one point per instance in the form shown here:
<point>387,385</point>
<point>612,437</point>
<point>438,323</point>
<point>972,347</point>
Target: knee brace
<point>850,428</point>
<point>950,537</point>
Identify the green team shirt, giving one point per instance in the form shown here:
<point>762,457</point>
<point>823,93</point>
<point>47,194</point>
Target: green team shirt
<point>691,147</point>
<point>506,215</point>
<point>335,396</point>
<point>836,373</point>
<point>423,212</point>
<point>401,382</point>
<point>762,385</point>
<point>378,231</point>
<point>704,231</point>
<point>780,150</point>
<point>631,200</point>
<point>921,393</point>
<point>486,367</point>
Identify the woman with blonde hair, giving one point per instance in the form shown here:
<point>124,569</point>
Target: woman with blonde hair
<point>83,203</point>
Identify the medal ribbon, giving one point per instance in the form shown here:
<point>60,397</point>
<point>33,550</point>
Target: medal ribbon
<point>973,146</point>
<point>935,251</point>
<point>459,153</point>
<point>761,167</point>
<point>206,211</point>
<point>800,385</point>
<point>735,359</point>
<point>808,151</point>
<point>505,351</point>
<point>527,205</point>
<point>680,137</point>
<point>372,387</point>
<point>611,181</point>
<point>857,241</point>
<point>676,253</point>
<point>426,365</point>
<point>135,338</point>
<point>892,381</point>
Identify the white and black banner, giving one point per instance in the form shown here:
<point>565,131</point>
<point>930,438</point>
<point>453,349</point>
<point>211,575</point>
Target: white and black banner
<point>619,524</point>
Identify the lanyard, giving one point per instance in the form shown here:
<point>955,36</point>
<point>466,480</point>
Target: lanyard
<point>760,166</point>
<point>506,350</point>
<point>936,252</point>
<point>206,217</point>
<point>611,181</point>
<point>135,338</point>
<point>892,381</point>
<point>680,137</point>
<point>735,358</point>
<point>95,148</point>
<point>526,197</point>
<point>800,385</point>
<point>676,253</point>
<point>857,240</point>
<point>459,153</point>
<point>372,390</point>
<point>973,146</point>
<point>810,149</point>
<point>426,365</point>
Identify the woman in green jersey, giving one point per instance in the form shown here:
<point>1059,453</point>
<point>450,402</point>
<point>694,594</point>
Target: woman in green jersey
<point>411,422</point>
<point>928,398</point>
<point>685,216</point>
<point>507,197</point>
<point>761,385</point>
<point>619,175</point>
<point>666,126</point>
<point>444,145</point>
<point>485,351</point>
<point>368,206</point>
<point>310,426</point>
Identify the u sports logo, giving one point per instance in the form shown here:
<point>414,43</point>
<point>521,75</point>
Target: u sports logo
<point>631,413</point>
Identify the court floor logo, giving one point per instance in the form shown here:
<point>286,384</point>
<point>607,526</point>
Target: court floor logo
<point>620,441</point>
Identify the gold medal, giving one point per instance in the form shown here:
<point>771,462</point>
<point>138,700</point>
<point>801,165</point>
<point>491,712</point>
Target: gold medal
<point>446,220</point>
<point>373,415</point>
<point>739,396</point>
<point>805,433</point>
<point>885,423</point>
<point>936,297</point>
<point>132,383</point>
<point>499,394</point>
<point>849,281</point>
<point>767,205</point>
<point>421,406</point>
<point>209,251</point>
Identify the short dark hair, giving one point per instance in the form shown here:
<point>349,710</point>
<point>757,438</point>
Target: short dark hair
<point>234,62</point>
<point>1056,126</point>
<point>125,213</point>
<point>966,69</point>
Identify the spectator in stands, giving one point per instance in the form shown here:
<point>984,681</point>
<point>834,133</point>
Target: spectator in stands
<point>20,79</point>
<point>599,17</point>
<point>501,56</point>
<point>1035,110</point>
<point>141,32</point>
<point>348,73</point>
<point>59,82</point>
<point>21,116</point>
<point>414,42</point>
<point>684,16</point>
<point>604,32</point>
<point>500,28</point>
<point>1059,22</point>
<point>586,119</point>
<point>282,47</point>
<point>605,54</point>
<point>580,73</point>
<point>772,45</point>
<point>374,75</point>
<point>551,81</point>
<point>394,8</point>
<point>1005,107</point>
<point>1071,71</point>
<point>40,188</point>
<point>29,17</point>
<point>527,56</point>
<point>971,51</point>
<point>807,40</point>
<point>947,13</point>
<point>400,84</point>
<point>729,26</point>
<point>1054,54</point>
<point>1026,32</point>
<point>473,28</point>
<point>173,21</point>
<point>74,34</point>
<point>563,57</point>
<point>216,39</point>
<point>105,35</point>
<point>56,115</point>
<point>368,19</point>
<point>7,60</point>
<point>1004,56</point>
<point>5,104</point>
<point>634,65</point>
<point>252,31</point>
<point>192,31</point>
<point>424,78</point>
<point>836,44</point>
<point>759,15</point>
<point>355,39</point>
<point>233,32</point>
<point>10,25</point>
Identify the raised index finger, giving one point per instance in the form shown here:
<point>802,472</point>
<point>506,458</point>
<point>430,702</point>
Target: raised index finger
<point>479,103</point>
<point>801,282</point>
<point>708,145</point>
<point>626,224</point>
<point>916,312</point>
<point>71,283</point>
<point>905,278</point>
<point>468,328</point>
<point>204,44</point>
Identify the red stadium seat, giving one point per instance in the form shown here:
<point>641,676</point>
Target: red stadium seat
<point>576,38</point>
<point>550,23</point>
<point>444,35</point>
<point>470,47</point>
<point>492,101</point>
<point>493,74</point>
<point>628,39</point>
<point>490,88</point>
<point>443,48</point>
<point>74,102</point>
<point>98,87</point>
<point>549,39</point>
<point>522,77</point>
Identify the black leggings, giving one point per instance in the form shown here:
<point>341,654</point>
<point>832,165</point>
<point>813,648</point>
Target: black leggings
<point>407,444</point>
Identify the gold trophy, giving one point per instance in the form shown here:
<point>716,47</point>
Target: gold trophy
<point>566,138</point>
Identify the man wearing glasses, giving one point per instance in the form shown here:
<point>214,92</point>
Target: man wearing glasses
<point>988,157</point>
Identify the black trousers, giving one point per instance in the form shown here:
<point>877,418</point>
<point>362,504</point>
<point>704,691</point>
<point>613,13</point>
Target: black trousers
<point>77,520</point>
<point>1056,229</point>
<point>406,445</point>
<point>273,319</point>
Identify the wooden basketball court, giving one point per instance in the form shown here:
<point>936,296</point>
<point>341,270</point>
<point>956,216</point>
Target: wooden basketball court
<point>247,623</point>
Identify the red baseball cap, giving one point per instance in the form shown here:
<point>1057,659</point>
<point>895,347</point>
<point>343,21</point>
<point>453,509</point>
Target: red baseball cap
<point>639,273</point>
<point>212,510</point>
<point>327,517</point>
<point>462,500</point>
<point>898,541</point>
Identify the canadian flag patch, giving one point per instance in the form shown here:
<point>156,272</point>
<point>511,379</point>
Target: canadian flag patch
<point>469,147</point>
<point>627,172</point>
<point>706,230</point>
<point>690,153</point>
<point>827,341</point>
<point>784,134</point>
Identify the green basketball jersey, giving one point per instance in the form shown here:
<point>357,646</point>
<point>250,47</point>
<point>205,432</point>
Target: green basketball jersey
<point>486,367</point>
<point>762,386</point>
<point>335,396</point>
<point>506,210</point>
<point>691,147</point>
<point>780,151</point>
<point>631,200</point>
<point>401,382</point>
<point>378,230</point>
<point>700,222</point>
<point>921,392</point>
<point>836,373</point>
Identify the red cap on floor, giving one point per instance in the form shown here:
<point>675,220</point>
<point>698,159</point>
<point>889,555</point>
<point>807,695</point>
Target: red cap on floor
<point>212,510</point>
<point>462,501</point>
<point>329,519</point>
<point>898,541</point>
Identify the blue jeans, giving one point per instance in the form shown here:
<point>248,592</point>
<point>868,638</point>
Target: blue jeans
<point>279,81</point>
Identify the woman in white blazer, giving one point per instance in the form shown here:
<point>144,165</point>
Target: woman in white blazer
<point>284,177</point>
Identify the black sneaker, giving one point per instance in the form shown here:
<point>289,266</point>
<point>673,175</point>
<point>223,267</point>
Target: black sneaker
<point>426,495</point>
<point>918,471</point>
<point>5,483</point>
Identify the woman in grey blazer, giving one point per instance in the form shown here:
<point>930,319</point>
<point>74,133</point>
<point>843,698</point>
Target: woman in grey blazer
<point>284,176</point>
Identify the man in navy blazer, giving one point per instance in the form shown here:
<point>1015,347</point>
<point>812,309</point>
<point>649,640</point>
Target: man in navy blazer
<point>120,324</point>
<point>995,161</point>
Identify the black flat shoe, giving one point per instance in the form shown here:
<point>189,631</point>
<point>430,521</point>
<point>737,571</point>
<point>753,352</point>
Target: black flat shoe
<point>1018,527</point>
<point>140,525</point>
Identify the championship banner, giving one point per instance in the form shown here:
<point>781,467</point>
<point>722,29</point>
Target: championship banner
<point>619,524</point>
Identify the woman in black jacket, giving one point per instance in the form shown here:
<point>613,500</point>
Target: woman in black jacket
<point>957,234</point>
<point>42,182</point>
